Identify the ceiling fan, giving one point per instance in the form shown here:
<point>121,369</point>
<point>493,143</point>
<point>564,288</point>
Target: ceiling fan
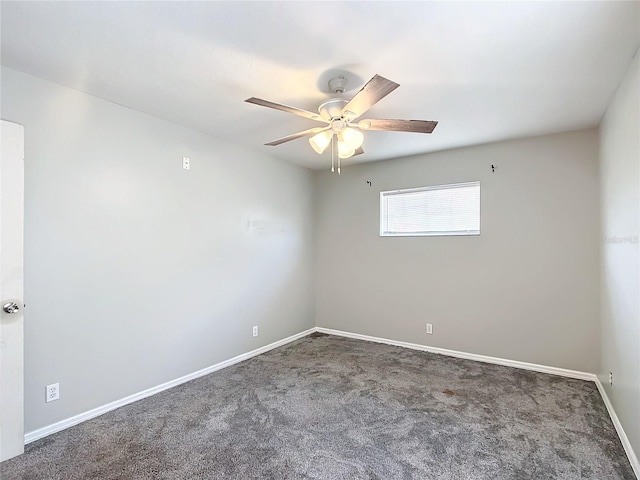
<point>342,131</point>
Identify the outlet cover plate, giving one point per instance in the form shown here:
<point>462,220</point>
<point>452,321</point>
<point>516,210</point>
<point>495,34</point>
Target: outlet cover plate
<point>52,392</point>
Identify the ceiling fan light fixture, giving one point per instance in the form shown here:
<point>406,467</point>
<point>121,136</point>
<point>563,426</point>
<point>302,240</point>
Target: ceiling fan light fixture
<point>345,150</point>
<point>321,141</point>
<point>352,137</point>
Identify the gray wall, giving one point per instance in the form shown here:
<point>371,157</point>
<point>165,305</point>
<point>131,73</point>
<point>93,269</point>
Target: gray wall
<point>525,289</point>
<point>137,271</point>
<point>620,201</point>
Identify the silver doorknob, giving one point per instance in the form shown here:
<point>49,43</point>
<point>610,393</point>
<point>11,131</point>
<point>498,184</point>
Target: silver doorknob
<point>10,307</point>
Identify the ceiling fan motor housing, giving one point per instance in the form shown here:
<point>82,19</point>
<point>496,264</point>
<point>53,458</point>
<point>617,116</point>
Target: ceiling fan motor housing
<point>332,108</point>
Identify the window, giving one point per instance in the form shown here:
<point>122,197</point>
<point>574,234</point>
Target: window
<point>437,210</point>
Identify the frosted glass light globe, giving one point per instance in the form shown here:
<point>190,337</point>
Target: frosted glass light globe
<point>321,141</point>
<point>354,138</point>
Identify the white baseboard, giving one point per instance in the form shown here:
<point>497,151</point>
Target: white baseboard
<point>633,459</point>
<point>510,363</point>
<point>69,422</point>
<point>563,372</point>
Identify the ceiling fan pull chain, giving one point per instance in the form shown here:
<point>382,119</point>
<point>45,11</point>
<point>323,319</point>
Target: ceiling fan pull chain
<point>333,151</point>
<point>339,139</point>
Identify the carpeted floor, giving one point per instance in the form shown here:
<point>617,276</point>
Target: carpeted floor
<point>326,407</point>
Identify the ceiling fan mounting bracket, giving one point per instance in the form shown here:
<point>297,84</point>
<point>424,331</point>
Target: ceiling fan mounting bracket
<point>338,84</point>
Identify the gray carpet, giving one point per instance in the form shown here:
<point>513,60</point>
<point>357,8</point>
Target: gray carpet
<point>326,407</point>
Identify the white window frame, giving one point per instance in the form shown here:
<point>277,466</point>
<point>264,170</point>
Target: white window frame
<point>383,195</point>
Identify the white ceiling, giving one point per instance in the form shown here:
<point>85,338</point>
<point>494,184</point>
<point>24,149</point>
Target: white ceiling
<point>486,71</point>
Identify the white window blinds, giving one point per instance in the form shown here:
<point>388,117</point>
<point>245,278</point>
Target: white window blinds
<point>437,210</point>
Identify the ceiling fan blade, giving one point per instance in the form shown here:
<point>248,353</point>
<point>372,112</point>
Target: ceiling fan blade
<point>286,108</point>
<point>359,151</point>
<point>375,90</point>
<point>418,126</point>
<point>304,133</point>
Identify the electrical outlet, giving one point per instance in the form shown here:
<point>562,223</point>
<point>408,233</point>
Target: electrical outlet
<point>52,392</point>
<point>185,163</point>
<point>255,331</point>
<point>429,328</point>
<point>611,378</point>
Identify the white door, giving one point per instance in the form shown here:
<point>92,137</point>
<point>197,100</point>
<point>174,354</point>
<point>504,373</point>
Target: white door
<point>11,291</point>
